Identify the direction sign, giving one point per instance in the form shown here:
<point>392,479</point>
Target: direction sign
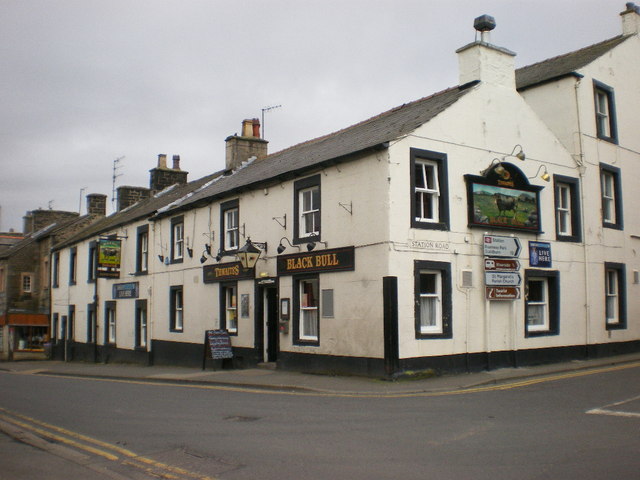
<point>499,246</point>
<point>491,264</point>
<point>502,293</point>
<point>502,278</point>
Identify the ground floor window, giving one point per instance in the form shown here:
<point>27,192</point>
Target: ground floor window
<point>71,325</point>
<point>54,327</point>
<point>542,304</point>
<point>615,296</point>
<point>91,323</point>
<point>110,322</point>
<point>432,292</point>
<point>176,309</point>
<point>229,307</point>
<point>141,324</point>
<point>306,310</point>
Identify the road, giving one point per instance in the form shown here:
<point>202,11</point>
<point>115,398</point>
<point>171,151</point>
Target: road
<point>581,426</point>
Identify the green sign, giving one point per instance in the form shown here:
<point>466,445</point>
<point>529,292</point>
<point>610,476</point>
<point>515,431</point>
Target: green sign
<point>109,252</point>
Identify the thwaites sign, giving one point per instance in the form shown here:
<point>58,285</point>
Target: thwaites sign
<point>224,272</point>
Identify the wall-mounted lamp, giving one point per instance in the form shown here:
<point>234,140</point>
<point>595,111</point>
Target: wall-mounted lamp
<point>499,169</point>
<point>312,245</point>
<point>248,254</point>
<point>281,248</point>
<point>545,174</point>
<point>190,252</point>
<point>161,258</point>
<point>207,248</point>
<point>518,152</point>
<point>203,258</point>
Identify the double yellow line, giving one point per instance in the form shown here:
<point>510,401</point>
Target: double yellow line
<point>86,444</point>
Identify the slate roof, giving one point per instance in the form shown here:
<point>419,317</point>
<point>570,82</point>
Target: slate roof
<point>139,210</point>
<point>370,133</point>
<point>564,65</point>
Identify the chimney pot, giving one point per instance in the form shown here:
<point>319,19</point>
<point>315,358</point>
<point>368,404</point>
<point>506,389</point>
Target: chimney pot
<point>247,128</point>
<point>162,161</point>
<point>256,128</point>
<point>176,162</point>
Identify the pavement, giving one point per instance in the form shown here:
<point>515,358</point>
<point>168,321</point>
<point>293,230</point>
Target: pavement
<point>280,380</point>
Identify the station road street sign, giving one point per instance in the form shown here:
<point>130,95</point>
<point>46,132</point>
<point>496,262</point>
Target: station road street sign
<point>506,279</point>
<point>500,246</point>
<point>502,293</point>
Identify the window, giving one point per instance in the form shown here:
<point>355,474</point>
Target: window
<point>229,225</point>
<point>142,250</point>
<point>432,299</point>
<point>605,112</point>
<point>567,205</point>
<point>177,239</point>
<point>26,283</point>
<point>91,322</point>
<point>307,209</point>
<point>229,306</point>
<point>429,191</point>
<point>542,304</point>
<point>110,322</point>
<point>73,265</point>
<point>177,309</point>
<point>2,279</point>
<point>610,185</point>
<point>615,296</point>
<point>55,270</point>
<point>306,328</point>
<point>92,262</point>
<point>54,326</point>
<point>141,324</point>
<point>71,325</point>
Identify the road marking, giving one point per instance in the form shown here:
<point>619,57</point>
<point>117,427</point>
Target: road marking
<point>106,450</point>
<point>508,385</point>
<point>606,410</point>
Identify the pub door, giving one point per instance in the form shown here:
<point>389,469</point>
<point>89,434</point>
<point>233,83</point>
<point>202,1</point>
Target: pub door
<point>270,319</point>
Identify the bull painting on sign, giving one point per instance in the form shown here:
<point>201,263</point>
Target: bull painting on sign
<point>498,202</point>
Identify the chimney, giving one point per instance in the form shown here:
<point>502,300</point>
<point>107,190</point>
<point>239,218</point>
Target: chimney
<point>128,196</point>
<point>631,19</point>
<point>240,149</point>
<point>484,61</point>
<point>38,219</point>
<point>97,204</point>
<point>162,177</point>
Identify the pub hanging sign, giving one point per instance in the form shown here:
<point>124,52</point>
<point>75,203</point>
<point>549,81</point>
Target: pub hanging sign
<point>109,252</point>
<point>334,260</point>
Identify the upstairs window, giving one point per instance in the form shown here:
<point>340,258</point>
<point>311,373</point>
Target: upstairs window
<point>605,112</point>
<point>611,191</point>
<point>429,191</point>
<point>230,225</point>
<point>26,283</point>
<point>177,239</point>
<point>567,206</point>
<point>307,209</point>
<point>92,262</point>
<point>73,265</point>
<point>142,250</point>
<point>55,270</point>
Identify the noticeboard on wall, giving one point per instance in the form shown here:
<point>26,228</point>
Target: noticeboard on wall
<point>503,200</point>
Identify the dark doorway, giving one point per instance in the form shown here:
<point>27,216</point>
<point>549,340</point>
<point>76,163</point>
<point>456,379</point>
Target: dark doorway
<point>271,323</point>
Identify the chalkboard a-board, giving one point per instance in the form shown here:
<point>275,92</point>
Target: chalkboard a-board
<point>218,343</point>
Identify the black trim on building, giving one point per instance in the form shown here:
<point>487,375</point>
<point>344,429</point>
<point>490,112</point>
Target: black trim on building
<point>621,270</point>
<point>617,191</point>
<point>444,269</point>
<point>576,222</point>
<point>443,187</point>
<point>391,341</point>
<point>299,185</point>
<point>553,290</point>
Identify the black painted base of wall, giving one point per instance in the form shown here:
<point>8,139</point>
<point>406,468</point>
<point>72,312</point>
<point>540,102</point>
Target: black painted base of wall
<point>331,365</point>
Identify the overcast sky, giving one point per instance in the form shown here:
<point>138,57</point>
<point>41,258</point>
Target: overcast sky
<point>85,82</point>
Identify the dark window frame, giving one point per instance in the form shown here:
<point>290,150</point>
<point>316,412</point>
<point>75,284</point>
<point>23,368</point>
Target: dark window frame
<point>110,305</point>
<point>621,269</point>
<point>553,289</point>
<point>599,87</point>
<point>576,221</point>
<point>440,159</point>
<point>224,208</point>
<point>175,221</point>
<point>92,263</point>
<point>447,298</point>
<point>295,312</point>
<point>73,265</point>
<point>172,308</point>
<point>617,187</point>
<point>91,319</point>
<point>55,319</point>
<point>223,307</point>
<point>303,184</point>
<point>141,232</point>
<point>71,323</point>
<point>55,270</point>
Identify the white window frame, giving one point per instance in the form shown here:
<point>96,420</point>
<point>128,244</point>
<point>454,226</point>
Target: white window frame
<point>309,211</point>
<point>540,305</point>
<point>144,251</point>
<point>612,296</point>
<point>142,319</point>
<point>563,209</point>
<point>430,178</point>
<point>231,308</point>
<point>111,325</point>
<point>608,189</point>
<point>603,109</point>
<point>434,324</point>
<point>177,303</point>
<point>26,283</point>
<point>309,317</point>
<point>231,229</point>
<point>178,240</point>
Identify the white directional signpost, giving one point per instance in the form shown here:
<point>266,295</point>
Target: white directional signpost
<point>501,267</point>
